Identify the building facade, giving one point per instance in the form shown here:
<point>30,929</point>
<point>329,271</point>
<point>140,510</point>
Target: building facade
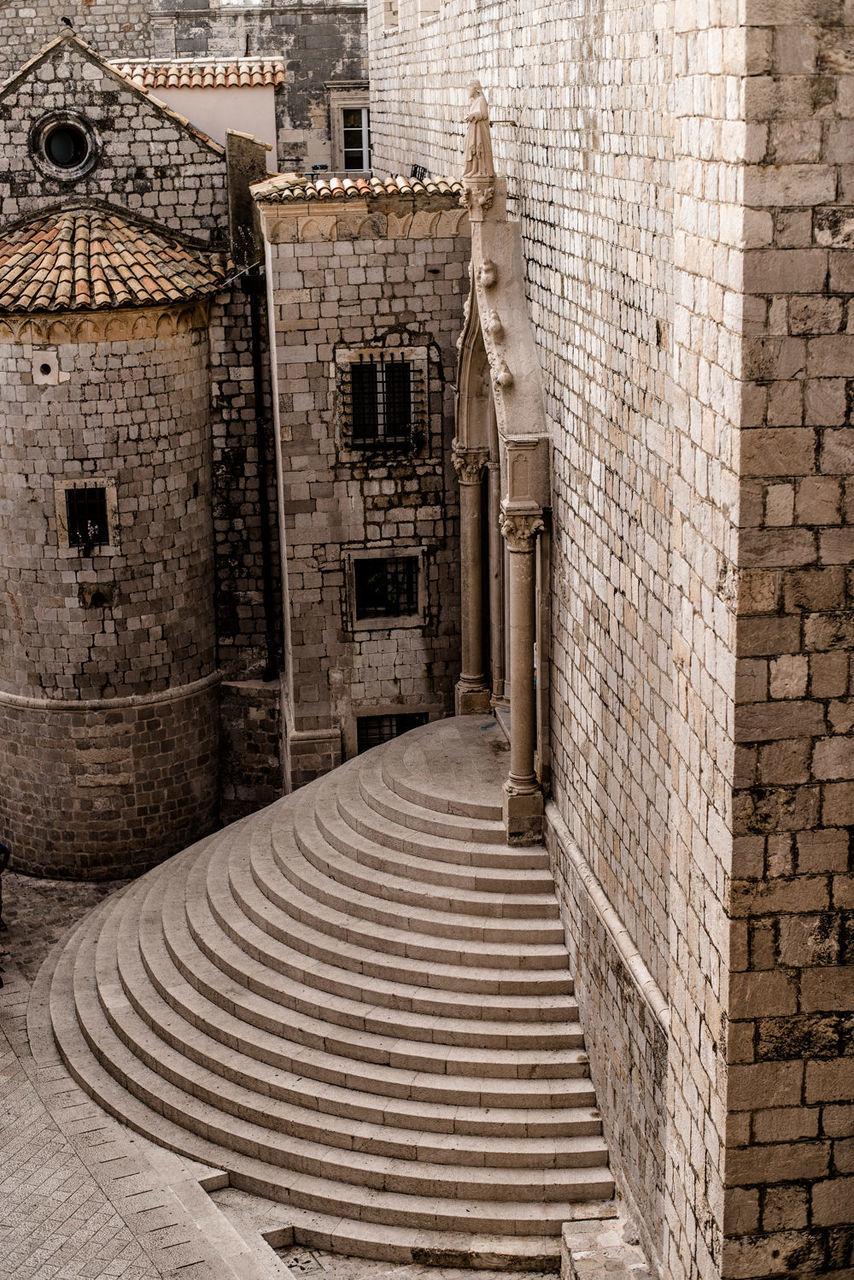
<point>680,180</point>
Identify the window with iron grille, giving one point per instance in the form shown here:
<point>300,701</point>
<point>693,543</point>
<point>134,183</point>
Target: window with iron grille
<point>86,516</point>
<point>384,400</point>
<point>372,730</point>
<point>385,588</point>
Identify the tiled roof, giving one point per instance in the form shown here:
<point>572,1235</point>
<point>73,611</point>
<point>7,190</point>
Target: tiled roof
<point>292,186</point>
<point>86,259</point>
<point>204,73</point>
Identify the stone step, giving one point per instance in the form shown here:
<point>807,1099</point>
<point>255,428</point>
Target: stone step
<point>439,857</point>
<point>310,1048</point>
<point>295,976</point>
<point>379,797</point>
<point>363,1013</point>
<point>276,913</point>
<point>276,876</point>
<point>542,1090</point>
<point>382,860</point>
<point>316,1211</point>
<point>204,1000</point>
<point>278,953</point>
<point>161,1078</point>
<point>219,1072</point>
<point>351,873</point>
<point>412,773</point>
<point>356,1002</point>
<point>340,1051</point>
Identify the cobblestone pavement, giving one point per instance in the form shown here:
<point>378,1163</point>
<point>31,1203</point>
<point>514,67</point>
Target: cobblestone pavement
<point>83,1198</point>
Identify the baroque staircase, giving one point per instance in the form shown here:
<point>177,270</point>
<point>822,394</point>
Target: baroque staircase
<point>358,1003</point>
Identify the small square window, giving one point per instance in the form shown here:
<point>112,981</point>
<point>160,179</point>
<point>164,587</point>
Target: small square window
<point>372,730</point>
<point>385,588</point>
<point>86,513</point>
<point>87,516</point>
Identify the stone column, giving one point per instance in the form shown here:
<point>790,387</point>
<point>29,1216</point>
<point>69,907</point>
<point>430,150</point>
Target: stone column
<point>472,691</point>
<point>523,798</point>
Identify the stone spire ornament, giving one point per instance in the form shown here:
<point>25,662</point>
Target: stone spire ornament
<point>479,166</point>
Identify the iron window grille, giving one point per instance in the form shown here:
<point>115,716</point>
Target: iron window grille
<point>372,730</point>
<point>386,588</point>
<point>385,401</point>
<point>86,514</point>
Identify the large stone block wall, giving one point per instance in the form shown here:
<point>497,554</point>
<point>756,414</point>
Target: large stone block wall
<point>93,792</point>
<point>148,163</point>
<point>125,401</point>
<point>565,87</point>
<point>790,1091</point>
<point>391,275</point>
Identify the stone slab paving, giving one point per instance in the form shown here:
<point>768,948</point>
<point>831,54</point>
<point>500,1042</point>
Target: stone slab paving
<point>83,1198</point>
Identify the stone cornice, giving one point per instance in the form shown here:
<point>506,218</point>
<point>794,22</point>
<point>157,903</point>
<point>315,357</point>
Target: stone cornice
<point>122,325</point>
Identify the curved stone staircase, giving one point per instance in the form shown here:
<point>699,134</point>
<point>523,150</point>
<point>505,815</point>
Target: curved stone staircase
<point>357,1002</point>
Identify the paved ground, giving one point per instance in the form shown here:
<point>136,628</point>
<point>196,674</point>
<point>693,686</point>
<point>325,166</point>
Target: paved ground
<point>83,1198</point>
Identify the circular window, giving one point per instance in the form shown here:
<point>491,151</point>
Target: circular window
<point>66,145</point>
<point>63,146</point>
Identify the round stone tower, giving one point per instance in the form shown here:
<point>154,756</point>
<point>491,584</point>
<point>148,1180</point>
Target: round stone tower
<point>108,700</point>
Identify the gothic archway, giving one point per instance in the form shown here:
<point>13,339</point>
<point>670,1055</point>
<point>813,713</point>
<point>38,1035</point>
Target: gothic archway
<point>502,459</point>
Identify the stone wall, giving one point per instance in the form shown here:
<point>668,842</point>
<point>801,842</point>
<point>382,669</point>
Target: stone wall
<point>322,40</point>
<point>565,87</point>
<point>790,1132</point>
<point>385,275</point>
<point>123,400</point>
<point>148,163</point>
<point>94,792</point>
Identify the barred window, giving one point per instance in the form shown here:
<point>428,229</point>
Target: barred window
<point>386,588</point>
<point>86,515</point>
<point>384,400</point>
<point>372,730</point>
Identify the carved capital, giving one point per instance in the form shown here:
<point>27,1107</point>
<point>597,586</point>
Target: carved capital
<point>477,197</point>
<point>520,529</point>
<point>469,464</point>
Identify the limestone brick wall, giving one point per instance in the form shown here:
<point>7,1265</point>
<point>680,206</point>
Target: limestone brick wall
<point>121,401</point>
<point>565,88</point>
<point>321,40</point>
<point>790,1094</point>
<point>113,26</point>
<point>390,276</point>
<point>147,163</point>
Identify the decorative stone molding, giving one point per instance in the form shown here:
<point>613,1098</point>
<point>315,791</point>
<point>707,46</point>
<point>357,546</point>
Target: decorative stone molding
<point>469,464</point>
<point>520,529</point>
<point>111,704</point>
<point>487,274</point>
<point>501,374</point>
<point>128,325</point>
<point>493,326</point>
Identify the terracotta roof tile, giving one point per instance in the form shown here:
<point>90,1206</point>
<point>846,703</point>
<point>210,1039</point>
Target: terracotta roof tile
<point>87,259</point>
<point>204,73</point>
<point>292,187</point>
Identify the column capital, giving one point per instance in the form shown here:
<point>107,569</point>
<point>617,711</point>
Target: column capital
<point>520,529</point>
<point>469,464</point>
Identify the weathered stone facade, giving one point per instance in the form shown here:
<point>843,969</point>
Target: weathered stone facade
<point>681,181</point>
<point>323,41</point>
<point>369,276</point>
<point>155,405</point>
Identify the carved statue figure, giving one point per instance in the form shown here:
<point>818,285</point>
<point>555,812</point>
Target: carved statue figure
<point>478,152</point>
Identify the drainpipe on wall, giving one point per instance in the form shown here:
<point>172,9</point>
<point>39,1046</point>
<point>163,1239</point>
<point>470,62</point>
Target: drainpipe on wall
<point>254,285</point>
